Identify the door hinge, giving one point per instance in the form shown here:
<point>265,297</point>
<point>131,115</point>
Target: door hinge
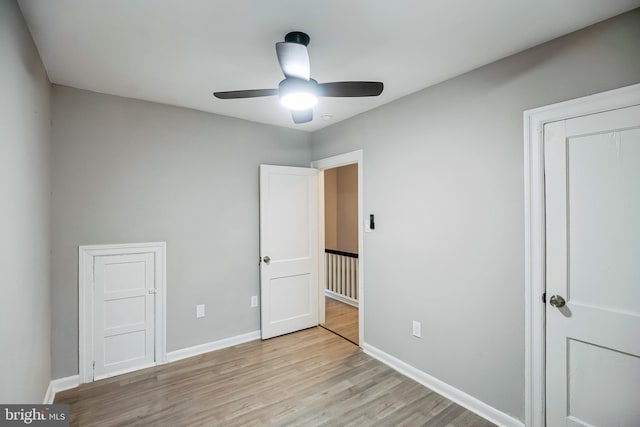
<point>544,297</point>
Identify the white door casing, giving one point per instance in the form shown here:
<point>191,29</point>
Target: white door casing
<point>592,169</point>
<point>288,249</point>
<point>534,220</point>
<point>122,306</point>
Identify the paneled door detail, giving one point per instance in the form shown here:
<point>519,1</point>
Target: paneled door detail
<point>124,317</point>
<point>592,186</point>
<point>288,249</point>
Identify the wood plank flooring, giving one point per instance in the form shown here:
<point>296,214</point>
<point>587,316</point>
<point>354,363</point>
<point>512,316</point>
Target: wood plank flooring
<point>342,319</point>
<point>309,378</point>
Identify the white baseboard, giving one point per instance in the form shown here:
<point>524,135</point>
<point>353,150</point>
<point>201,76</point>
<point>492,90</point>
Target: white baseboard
<point>458,396</point>
<point>60,384</point>
<point>172,356</point>
<point>49,395</point>
<point>341,298</point>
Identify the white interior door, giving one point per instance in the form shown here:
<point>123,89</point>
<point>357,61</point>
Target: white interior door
<point>592,176</point>
<point>288,249</point>
<point>124,316</point>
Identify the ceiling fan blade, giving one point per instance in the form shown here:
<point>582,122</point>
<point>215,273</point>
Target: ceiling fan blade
<point>350,89</point>
<point>252,93</point>
<point>302,116</point>
<point>294,60</point>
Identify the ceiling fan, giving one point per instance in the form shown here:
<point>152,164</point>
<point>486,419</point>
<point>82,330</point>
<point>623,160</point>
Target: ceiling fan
<point>298,91</point>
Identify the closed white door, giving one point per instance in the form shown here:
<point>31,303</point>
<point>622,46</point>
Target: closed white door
<point>288,248</point>
<point>592,184</point>
<point>124,316</point>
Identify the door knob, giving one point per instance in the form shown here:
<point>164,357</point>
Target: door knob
<point>557,301</point>
<point>266,259</point>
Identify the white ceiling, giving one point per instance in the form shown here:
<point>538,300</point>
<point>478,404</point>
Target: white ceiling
<point>180,51</point>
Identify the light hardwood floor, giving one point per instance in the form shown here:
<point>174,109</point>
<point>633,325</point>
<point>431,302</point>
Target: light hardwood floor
<point>342,319</point>
<point>310,378</point>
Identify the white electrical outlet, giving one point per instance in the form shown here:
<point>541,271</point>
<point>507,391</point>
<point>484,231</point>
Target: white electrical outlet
<point>417,329</point>
<point>199,310</point>
<point>254,301</point>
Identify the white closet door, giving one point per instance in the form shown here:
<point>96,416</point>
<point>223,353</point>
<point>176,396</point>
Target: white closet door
<point>592,175</point>
<point>124,317</point>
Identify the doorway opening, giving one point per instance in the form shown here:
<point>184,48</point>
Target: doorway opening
<point>341,251</point>
<point>341,241</point>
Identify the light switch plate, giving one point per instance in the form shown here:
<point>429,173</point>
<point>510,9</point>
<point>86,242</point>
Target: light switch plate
<point>199,310</point>
<point>254,300</point>
<point>367,224</point>
<point>417,329</point>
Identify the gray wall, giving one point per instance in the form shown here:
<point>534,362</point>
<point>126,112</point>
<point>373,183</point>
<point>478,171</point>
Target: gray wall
<point>25,231</point>
<point>443,173</point>
<point>127,171</point>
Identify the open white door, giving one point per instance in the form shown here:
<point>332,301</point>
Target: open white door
<point>592,169</point>
<point>288,249</point>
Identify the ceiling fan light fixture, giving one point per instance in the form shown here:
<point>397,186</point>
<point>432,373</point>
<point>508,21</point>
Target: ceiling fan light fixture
<point>298,94</point>
<point>299,100</point>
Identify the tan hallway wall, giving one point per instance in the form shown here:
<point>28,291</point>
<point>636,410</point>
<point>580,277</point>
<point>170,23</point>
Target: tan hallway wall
<point>341,208</point>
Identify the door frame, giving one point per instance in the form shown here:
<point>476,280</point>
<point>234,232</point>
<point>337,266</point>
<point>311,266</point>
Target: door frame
<point>86,254</point>
<point>534,222</point>
<point>353,157</point>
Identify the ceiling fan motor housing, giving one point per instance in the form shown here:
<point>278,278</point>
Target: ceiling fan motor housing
<point>297,37</point>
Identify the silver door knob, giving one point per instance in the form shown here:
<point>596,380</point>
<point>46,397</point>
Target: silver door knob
<point>557,301</point>
<point>266,259</point>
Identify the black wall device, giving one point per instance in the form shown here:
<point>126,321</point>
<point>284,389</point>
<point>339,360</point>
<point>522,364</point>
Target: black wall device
<point>372,224</point>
